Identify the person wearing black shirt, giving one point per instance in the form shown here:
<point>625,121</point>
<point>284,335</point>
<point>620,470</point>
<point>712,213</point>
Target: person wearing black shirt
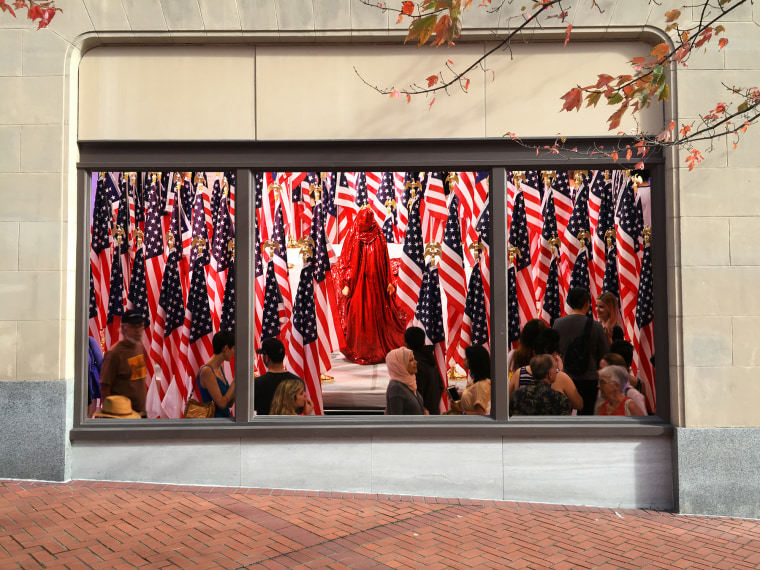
<point>264,387</point>
<point>429,381</point>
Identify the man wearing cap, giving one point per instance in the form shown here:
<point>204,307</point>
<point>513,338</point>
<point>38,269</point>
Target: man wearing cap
<point>273,352</point>
<point>124,370</point>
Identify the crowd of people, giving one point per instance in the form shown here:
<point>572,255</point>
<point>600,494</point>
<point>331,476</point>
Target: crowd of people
<point>579,366</point>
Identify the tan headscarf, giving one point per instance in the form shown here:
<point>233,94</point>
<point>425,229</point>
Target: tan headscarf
<point>397,361</point>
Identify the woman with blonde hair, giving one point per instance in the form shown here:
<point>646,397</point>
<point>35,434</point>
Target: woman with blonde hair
<point>608,313</point>
<point>290,399</point>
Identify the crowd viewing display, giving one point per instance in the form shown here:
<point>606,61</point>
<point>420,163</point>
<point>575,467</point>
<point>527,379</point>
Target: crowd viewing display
<point>371,293</point>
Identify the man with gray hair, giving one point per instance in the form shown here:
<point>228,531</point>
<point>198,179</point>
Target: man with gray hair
<point>539,398</point>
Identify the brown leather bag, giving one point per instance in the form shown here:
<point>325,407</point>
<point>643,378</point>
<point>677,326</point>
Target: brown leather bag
<point>196,409</point>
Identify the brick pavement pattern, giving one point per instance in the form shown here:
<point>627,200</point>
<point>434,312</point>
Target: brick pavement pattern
<point>88,524</point>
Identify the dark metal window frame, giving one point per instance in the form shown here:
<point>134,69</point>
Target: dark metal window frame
<point>496,156</point>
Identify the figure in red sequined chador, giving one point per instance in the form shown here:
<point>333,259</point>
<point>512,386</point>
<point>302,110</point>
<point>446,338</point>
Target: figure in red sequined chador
<point>372,321</point>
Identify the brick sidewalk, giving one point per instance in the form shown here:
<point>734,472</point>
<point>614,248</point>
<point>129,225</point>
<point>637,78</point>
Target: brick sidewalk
<point>86,524</point>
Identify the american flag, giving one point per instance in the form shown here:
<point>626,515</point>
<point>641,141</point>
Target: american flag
<point>137,299</point>
<point>270,193</point>
<point>196,338</point>
<point>579,276</point>
<point>283,276</point>
<point>403,194</point>
<point>374,187</point>
<point>412,264</point>
<point>533,194</point>
<point>436,210</point>
<point>472,191</point>
<point>429,315</point>
<point>545,255</point>
<point>571,245</point>
<point>475,323</point>
<point>513,307</point>
<point>93,310</point>
<point>551,307</point>
<point>100,259</point>
<point>155,261</point>
<point>511,193</point>
<point>643,337</point>
<point>629,228</point>
<point>329,182</point>
<point>483,228</point>
<point>228,306</point>
<point>273,306</point>
<point>563,200</point>
<point>326,341</point>
<point>221,258</point>
<point>304,350</point>
<point>454,281</point>
<point>123,224</point>
<point>215,203</point>
<point>259,295</point>
<point>115,300</point>
<point>344,200</point>
<point>601,219</point>
<point>611,282</point>
<point>388,220</point>
<point>518,238</point>
<point>362,196</point>
<point>171,311</point>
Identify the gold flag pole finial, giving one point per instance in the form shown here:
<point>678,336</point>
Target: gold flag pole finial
<point>231,248</point>
<point>476,249</point>
<point>276,188</point>
<point>139,238</point>
<point>637,181</point>
<point>170,240</point>
<point>269,246</point>
<point>414,186</point>
<point>315,191</point>
<point>433,250</point>
<point>390,205</point>
<point>578,176</point>
<point>199,243</point>
<point>519,178</point>
<point>554,242</point>
<point>514,254</point>
<point>647,232</point>
<point>307,248</point>
<point>549,177</point>
<point>583,235</point>
<point>609,236</point>
<point>119,234</point>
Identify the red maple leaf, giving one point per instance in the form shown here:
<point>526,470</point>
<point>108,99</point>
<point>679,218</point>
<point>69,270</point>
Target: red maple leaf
<point>573,99</point>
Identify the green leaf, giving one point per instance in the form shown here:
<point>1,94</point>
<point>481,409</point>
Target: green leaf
<point>422,28</point>
<point>742,107</point>
<point>593,98</point>
<point>664,92</point>
<point>615,99</point>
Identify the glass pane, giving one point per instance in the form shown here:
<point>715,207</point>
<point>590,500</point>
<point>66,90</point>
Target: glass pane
<point>580,262</point>
<point>347,263</point>
<point>162,254</point>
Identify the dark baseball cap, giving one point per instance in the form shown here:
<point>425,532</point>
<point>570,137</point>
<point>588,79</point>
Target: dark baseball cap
<point>132,317</point>
<point>273,348</point>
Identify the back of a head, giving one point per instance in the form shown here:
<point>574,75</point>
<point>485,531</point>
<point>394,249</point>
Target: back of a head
<point>577,297</point>
<point>614,359</point>
<point>479,362</point>
<point>222,339</point>
<point>527,346</point>
<point>547,342</point>
<point>624,349</point>
<point>540,366</point>
<point>414,337</point>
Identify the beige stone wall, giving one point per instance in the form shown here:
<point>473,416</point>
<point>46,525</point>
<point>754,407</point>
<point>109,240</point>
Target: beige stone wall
<point>713,262</point>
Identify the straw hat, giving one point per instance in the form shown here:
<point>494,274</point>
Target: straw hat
<point>117,407</point>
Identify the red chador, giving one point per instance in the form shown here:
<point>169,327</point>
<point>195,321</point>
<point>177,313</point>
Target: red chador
<point>373,324</point>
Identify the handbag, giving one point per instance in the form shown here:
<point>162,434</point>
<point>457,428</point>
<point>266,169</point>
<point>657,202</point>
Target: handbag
<point>196,409</point>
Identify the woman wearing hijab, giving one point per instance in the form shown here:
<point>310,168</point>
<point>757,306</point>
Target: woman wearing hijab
<point>401,396</point>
